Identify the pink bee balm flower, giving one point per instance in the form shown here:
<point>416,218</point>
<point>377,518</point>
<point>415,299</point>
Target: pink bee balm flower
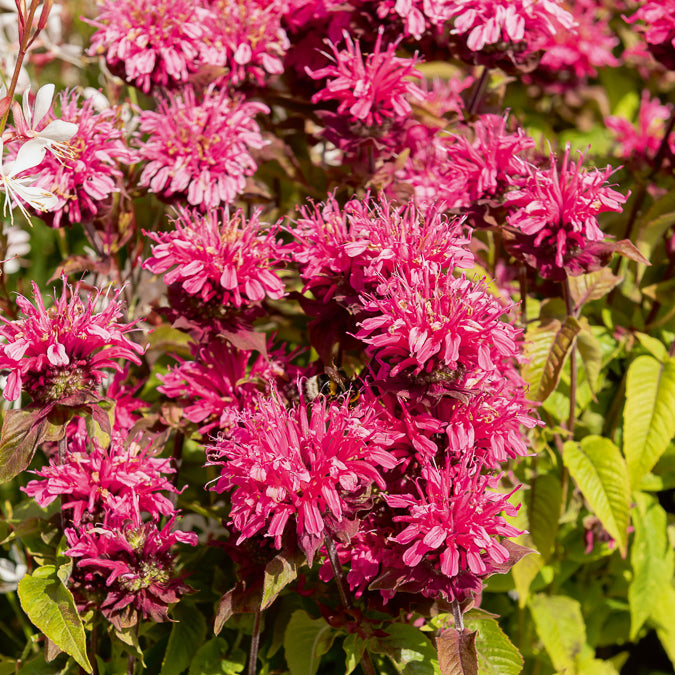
<point>309,464</point>
<point>451,530</point>
<point>657,19</point>
<point>130,565</point>
<point>200,149</point>
<point>220,258</point>
<point>53,354</point>
<point>150,42</point>
<point>554,216</point>
<point>85,178</point>
<point>93,480</point>
<point>373,89</point>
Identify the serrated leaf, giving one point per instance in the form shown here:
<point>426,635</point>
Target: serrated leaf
<point>354,647</point>
<point>544,512</point>
<point>652,560</point>
<point>600,472</point>
<point>306,640</point>
<point>560,627</point>
<point>546,348</point>
<point>187,635</point>
<point>457,653</point>
<point>408,647</point>
<point>497,655</point>
<point>592,286</point>
<point>657,349</point>
<point>649,415</point>
<point>51,608</point>
<point>22,432</point>
<point>279,572</point>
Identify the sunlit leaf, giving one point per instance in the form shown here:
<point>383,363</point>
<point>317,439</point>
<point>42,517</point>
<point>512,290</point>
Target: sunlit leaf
<point>457,652</point>
<point>306,640</point>
<point>496,653</point>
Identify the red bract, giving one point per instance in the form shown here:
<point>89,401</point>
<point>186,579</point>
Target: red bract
<point>309,464</point>
<point>93,481</point>
<point>130,565</point>
<point>374,89</point>
<point>554,216</point>
<point>65,350</point>
<point>85,177</point>
<point>220,257</point>
<point>200,149</point>
<point>150,42</point>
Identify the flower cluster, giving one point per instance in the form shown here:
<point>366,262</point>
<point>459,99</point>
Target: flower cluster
<point>62,353</point>
<point>657,21</point>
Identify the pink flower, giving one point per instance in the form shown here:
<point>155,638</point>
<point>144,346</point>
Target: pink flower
<point>658,17</point>
<point>200,149</point>
<point>220,259</point>
<point>373,89</point>
<point>85,178</point>
<point>151,42</point>
<point>641,141</point>
<point>53,354</point>
<point>130,565</point>
<point>94,480</point>
<point>554,216</point>
<point>310,464</point>
<point>451,529</point>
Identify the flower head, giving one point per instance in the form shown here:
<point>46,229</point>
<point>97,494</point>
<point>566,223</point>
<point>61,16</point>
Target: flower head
<point>200,149</point>
<point>53,354</point>
<point>309,464</point>
<point>657,23</point>
<point>554,216</point>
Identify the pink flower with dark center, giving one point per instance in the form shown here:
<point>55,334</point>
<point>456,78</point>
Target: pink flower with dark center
<point>554,215</point>
<point>372,90</point>
<point>312,464</point>
<point>93,480</point>
<point>641,141</point>
<point>452,527</point>
<point>53,354</point>
<point>245,38</point>
<point>435,328</point>
<point>130,564</point>
<point>85,177</point>
<point>657,23</point>
<point>200,149</point>
<point>151,42</point>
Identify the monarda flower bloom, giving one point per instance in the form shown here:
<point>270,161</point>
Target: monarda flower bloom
<point>92,481</point>
<point>311,464</point>
<point>245,39</point>
<point>372,91</point>
<point>501,32</point>
<point>553,218</point>
<point>657,22</point>
<point>125,568</point>
<point>150,42</point>
<point>200,149</point>
<point>84,178</point>
<point>218,263</point>
<point>60,354</point>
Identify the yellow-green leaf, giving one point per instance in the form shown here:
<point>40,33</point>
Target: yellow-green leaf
<point>649,415</point>
<point>496,653</point>
<point>544,512</point>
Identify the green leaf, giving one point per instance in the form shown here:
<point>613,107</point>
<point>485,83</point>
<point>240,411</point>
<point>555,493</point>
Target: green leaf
<point>649,415</point>
<point>306,640</point>
<point>592,286</point>
<point>651,344</point>
<point>655,223</point>
<point>214,658</point>
<point>652,560</point>
<point>50,606</point>
<point>187,635</point>
<point>591,354</point>
<point>496,653</point>
<point>600,472</point>
<point>279,572</point>
<point>546,348</point>
<point>662,615</point>
<point>544,512</point>
<point>22,432</point>
<point>560,626</point>
<point>408,647</point>
<point>457,652</point>
<point>354,647</point>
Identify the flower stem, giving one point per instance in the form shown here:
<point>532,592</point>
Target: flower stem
<point>255,643</point>
<point>366,662</point>
<point>457,616</point>
<point>573,361</point>
<point>478,91</point>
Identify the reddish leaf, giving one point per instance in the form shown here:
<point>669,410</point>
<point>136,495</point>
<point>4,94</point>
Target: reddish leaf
<point>247,340</point>
<point>238,600</point>
<point>457,653</point>
<point>516,552</point>
<point>22,432</point>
